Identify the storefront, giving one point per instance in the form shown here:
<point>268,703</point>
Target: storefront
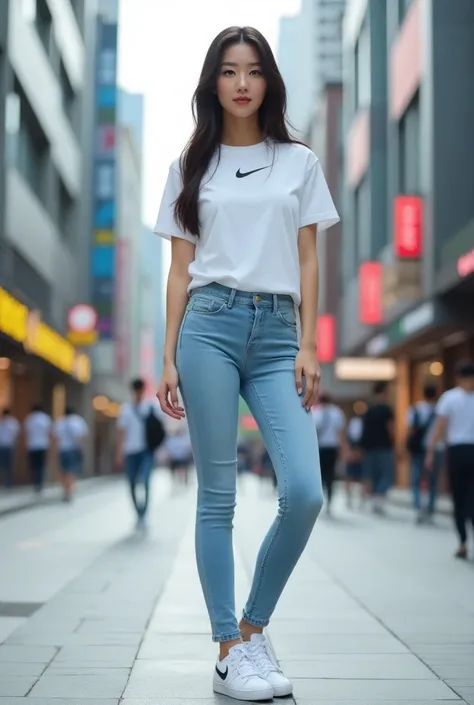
<point>37,366</point>
<point>426,344</point>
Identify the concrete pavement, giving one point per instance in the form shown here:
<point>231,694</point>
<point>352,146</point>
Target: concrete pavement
<point>92,612</point>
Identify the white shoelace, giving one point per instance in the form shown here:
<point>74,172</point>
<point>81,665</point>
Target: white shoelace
<point>243,664</point>
<point>260,654</point>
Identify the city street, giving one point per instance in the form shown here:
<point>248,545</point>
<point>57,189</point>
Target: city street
<point>94,613</point>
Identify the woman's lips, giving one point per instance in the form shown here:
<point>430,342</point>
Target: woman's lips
<point>242,101</point>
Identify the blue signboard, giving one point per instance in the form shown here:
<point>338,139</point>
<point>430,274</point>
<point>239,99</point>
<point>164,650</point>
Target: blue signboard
<point>103,264</point>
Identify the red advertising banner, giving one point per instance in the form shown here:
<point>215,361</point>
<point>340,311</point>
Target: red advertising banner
<point>370,293</point>
<point>408,225</point>
<point>326,338</point>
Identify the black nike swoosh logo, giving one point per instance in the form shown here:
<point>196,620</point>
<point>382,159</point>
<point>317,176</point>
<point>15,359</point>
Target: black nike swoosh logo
<point>223,676</point>
<point>241,175</point>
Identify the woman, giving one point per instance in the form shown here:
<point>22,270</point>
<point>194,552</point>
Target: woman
<point>241,208</point>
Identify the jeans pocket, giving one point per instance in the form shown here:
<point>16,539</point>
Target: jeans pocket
<point>205,306</point>
<point>287,316</point>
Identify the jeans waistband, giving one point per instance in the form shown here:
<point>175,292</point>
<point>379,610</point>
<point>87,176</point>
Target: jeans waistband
<point>244,298</point>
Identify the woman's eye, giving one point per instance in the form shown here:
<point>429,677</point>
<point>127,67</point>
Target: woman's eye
<point>227,72</point>
<point>256,72</point>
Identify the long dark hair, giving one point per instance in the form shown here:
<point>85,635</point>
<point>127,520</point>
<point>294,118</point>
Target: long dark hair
<point>207,114</point>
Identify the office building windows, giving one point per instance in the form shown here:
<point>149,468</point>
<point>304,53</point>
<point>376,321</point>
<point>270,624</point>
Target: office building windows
<point>32,148</point>
<point>403,7</point>
<point>362,220</point>
<point>409,148</point>
<point>362,68</point>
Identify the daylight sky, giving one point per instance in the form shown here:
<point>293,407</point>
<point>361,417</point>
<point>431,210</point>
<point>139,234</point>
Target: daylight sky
<point>162,47</point>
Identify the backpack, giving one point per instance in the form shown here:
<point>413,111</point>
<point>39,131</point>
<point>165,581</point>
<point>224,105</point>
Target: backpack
<point>418,432</point>
<point>154,430</point>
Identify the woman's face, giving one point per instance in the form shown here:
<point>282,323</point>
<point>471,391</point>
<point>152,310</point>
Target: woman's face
<point>241,85</point>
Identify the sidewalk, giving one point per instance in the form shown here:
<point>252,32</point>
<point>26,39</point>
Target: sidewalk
<point>402,497</point>
<point>377,613</point>
<point>24,497</point>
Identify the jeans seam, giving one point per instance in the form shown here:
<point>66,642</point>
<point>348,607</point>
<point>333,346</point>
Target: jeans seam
<point>199,562</point>
<point>281,515</point>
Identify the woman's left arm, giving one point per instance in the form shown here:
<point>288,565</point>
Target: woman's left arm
<point>307,365</point>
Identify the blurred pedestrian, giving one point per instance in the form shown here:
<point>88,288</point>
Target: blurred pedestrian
<point>330,426</point>
<point>9,433</point>
<point>70,432</point>
<point>38,426</point>
<point>455,423</point>
<point>140,434</point>
<point>241,207</point>
<point>420,422</point>
<point>354,467</point>
<point>178,447</point>
<point>377,442</point>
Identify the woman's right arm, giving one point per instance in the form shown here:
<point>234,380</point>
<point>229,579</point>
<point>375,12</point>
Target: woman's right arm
<point>182,254</point>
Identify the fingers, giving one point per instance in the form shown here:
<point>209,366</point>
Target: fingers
<point>299,379</point>
<point>168,398</point>
<point>310,395</point>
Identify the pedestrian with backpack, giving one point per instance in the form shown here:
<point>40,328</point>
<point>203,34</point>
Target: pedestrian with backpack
<point>140,434</point>
<point>420,421</point>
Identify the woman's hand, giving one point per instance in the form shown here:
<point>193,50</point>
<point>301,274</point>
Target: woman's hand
<point>168,393</point>
<point>307,366</point>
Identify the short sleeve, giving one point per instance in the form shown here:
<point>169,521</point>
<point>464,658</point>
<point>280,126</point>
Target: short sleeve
<point>122,421</point>
<point>341,419</point>
<point>443,407</point>
<point>316,204</point>
<point>166,225</point>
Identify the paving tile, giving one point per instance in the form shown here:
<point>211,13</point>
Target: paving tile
<point>179,625</point>
<point>93,639</point>
<point>112,626</point>
<point>177,647</point>
<point>378,690</point>
<point>215,700</point>
<point>306,645</point>
<point>8,668</point>
<point>65,669</point>
<point>364,626</point>
<point>467,694</point>
<point>58,701</point>
<point>146,669</point>
<point>27,654</point>
<point>152,685</point>
<point>60,686</point>
<point>118,656</point>
<point>16,686</point>
<point>373,666</point>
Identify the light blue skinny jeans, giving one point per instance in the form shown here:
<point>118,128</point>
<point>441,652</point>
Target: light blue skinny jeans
<point>230,343</point>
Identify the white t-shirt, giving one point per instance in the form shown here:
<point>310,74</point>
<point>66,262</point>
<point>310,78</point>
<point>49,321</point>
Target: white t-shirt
<point>457,406</point>
<point>178,446</point>
<point>38,428</point>
<point>69,431</point>
<point>132,420</point>
<point>9,430</point>
<point>329,421</point>
<point>252,203</point>
<point>424,410</point>
<point>354,429</point>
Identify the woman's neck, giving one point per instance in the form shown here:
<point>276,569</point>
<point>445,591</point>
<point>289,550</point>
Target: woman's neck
<point>241,133</point>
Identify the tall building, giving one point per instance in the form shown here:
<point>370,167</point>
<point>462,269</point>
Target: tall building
<point>408,258</point>
<point>309,56</point>
<point>43,225</point>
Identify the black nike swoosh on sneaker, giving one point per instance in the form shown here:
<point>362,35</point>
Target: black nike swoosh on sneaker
<point>241,175</point>
<point>222,676</point>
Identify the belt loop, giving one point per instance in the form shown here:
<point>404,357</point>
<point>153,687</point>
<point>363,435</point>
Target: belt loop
<point>275,303</point>
<point>230,302</point>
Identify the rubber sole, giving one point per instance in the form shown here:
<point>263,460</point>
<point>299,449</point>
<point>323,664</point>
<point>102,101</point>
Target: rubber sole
<point>250,696</point>
<point>283,691</point>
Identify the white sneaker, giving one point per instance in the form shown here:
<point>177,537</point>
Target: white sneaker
<point>236,677</point>
<point>261,655</point>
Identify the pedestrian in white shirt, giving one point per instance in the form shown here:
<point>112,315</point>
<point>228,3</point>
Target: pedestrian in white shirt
<point>70,432</point>
<point>455,423</point>
<point>38,426</point>
<point>9,432</point>
<point>354,465</point>
<point>140,433</point>
<point>330,426</point>
<point>421,418</point>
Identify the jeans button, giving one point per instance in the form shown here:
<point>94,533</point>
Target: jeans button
<point>258,298</point>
